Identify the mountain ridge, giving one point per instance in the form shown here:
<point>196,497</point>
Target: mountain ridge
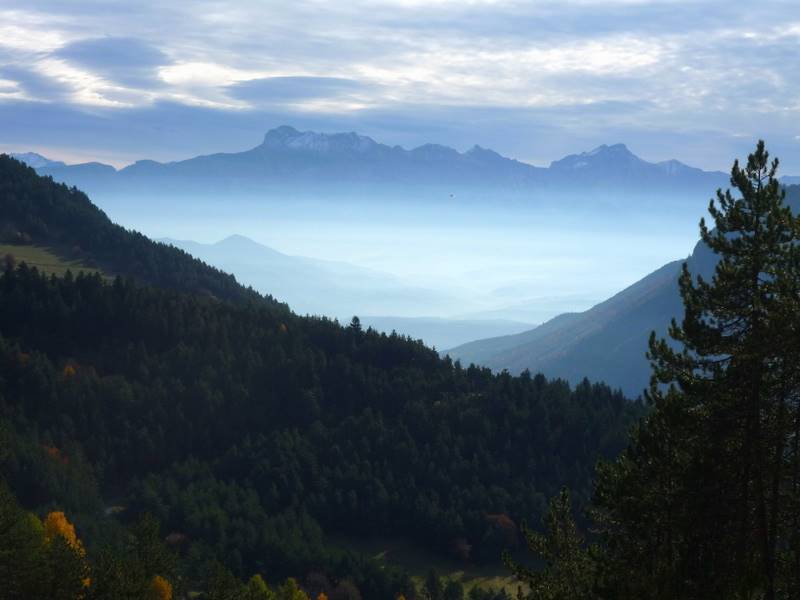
<point>340,290</point>
<point>286,152</point>
<point>36,160</point>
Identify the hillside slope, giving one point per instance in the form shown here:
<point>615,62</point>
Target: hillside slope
<point>38,211</point>
<point>605,343</point>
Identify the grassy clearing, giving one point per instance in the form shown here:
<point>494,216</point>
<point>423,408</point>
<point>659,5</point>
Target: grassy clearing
<point>44,259</point>
<point>418,562</point>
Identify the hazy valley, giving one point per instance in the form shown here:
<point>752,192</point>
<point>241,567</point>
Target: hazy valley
<point>513,244</point>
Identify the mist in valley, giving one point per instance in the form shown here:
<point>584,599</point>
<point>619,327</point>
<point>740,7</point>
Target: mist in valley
<point>516,263</point>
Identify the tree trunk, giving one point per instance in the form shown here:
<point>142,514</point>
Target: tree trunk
<point>777,475</point>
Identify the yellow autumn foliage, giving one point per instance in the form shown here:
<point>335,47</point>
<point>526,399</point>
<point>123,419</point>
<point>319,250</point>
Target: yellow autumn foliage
<point>57,524</point>
<point>160,588</point>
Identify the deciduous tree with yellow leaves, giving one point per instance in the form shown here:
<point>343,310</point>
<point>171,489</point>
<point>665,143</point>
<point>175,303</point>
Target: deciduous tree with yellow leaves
<point>66,558</point>
<point>160,588</point>
<point>56,524</point>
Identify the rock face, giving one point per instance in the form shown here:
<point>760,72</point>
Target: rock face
<point>289,138</point>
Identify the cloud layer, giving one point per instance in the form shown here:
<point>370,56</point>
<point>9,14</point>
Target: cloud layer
<point>696,80</point>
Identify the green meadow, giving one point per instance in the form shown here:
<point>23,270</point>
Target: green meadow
<point>45,259</point>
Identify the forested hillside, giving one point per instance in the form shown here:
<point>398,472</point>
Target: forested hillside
<point>251,433</point>
<point>35,210</point>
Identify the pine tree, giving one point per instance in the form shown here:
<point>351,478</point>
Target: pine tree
<point>570,571</point>
<point>433,588</point>
<point>700,506</point>
<point>257,589</point>
<point>222,584</point>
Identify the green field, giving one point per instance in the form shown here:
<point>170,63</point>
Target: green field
<point>418,562</point>
<point>43,258</point>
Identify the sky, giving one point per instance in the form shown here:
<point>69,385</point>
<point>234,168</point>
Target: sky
<point>697,80</point>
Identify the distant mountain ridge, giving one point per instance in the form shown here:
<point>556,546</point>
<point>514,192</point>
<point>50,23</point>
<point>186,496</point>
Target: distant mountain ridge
<point>617,161</point>
<point>310,285</point>
<point>341,290</point>
<point>303,158</point>
<point>37,161</point>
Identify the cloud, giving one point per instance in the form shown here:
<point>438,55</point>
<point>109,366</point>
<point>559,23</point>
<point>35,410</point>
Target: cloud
<point>531,79</point>
<point>35,85</point>
<point>126,61</point>
<point>292,89</point>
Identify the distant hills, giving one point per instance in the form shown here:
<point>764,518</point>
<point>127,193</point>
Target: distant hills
<point>616,164</point>
<point>605,343</point>
<point>445,332</point>
<point>309,285</point>
<point>306,160</point>
<point>342,290</point>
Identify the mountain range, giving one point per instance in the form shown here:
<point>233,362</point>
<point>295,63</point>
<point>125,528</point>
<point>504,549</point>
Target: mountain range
<point>308,160</point>
<point>607,342</point>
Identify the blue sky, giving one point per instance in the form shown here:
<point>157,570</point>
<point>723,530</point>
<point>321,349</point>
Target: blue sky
<point>117,81</point>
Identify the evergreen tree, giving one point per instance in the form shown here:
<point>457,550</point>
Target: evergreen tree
<point>570,571</point>
<point>453,590</point>
<point>222,584</point>
<point>257,589</point>
<point>433,588</point>
<point>703,503</point>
